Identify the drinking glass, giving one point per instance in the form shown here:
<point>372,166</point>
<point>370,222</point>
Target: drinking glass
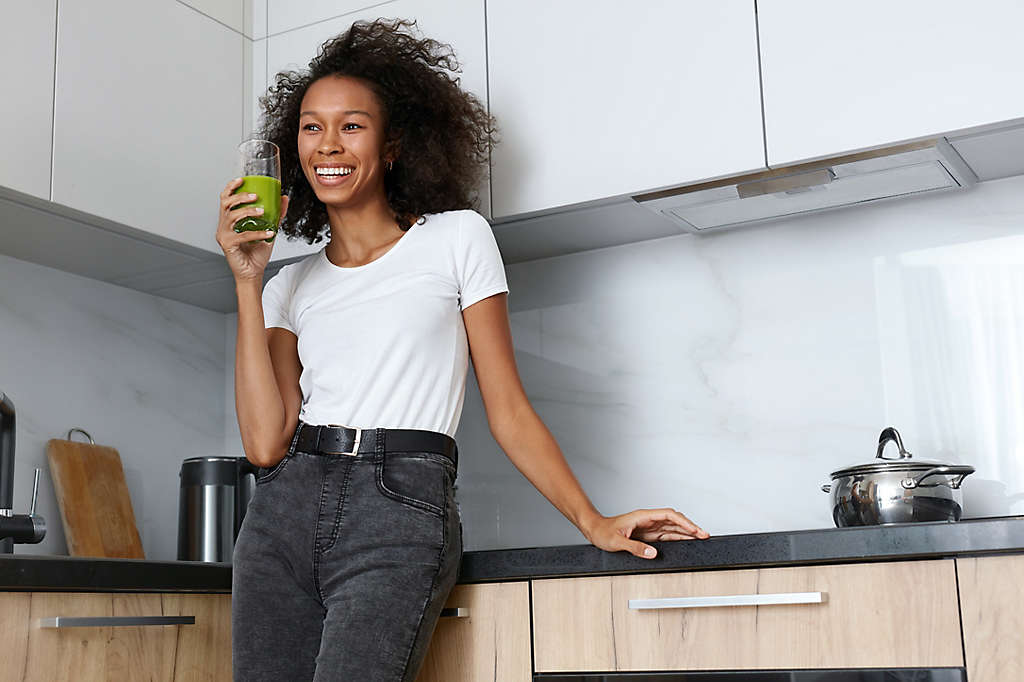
<point>260,164</point>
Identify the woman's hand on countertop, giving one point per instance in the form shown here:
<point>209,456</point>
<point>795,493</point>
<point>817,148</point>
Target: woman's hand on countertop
<point>616,533</point>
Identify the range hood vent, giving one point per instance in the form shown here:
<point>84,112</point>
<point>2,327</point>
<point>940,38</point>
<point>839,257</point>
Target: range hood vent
<point>816,186</point>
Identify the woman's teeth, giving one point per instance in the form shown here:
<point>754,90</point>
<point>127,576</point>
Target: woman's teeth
<point>333,171</point>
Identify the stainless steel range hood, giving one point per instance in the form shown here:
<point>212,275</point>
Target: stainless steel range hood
<point>926,166</point>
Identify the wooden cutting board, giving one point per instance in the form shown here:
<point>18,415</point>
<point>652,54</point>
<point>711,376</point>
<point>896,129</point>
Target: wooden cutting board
<point>94,502</point>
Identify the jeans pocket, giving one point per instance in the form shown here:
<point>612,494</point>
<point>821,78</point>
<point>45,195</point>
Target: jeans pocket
<point>422,480</point>
<point>266,474</point>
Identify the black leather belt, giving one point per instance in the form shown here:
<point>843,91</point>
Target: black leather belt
<point>344,440</point>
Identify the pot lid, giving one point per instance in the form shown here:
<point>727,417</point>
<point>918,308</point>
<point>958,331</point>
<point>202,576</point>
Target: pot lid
<point>902,462</point>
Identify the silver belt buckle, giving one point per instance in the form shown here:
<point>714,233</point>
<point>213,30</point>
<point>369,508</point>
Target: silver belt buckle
<point>355,445</point>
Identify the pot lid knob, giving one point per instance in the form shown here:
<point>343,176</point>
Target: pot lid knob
<point>891,434</point>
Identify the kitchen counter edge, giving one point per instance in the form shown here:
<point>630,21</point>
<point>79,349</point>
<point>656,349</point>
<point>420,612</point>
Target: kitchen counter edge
<point>40,573</point>
<point>970,537</point>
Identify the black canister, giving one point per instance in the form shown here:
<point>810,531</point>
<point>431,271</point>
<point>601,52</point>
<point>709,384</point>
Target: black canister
<point>214,494</point>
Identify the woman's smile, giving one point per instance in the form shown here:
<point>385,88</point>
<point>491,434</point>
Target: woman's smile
<point>332,174</point>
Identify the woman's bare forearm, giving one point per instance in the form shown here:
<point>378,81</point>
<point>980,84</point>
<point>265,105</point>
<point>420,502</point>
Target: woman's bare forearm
<point>258,402</point>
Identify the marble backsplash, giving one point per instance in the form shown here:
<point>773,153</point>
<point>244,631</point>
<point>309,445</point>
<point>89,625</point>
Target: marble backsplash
<point>141,374</point>
<point>725,375</point>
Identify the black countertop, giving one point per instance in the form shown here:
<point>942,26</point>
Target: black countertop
<point>36,573</point>
<point>973,537</point>
<point>970,537</point>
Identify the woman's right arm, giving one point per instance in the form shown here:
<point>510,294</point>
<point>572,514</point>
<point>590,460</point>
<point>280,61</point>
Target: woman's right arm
<point>267,368</point>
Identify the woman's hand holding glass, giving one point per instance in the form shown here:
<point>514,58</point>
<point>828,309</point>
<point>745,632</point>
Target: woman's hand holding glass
<point>247,252</point>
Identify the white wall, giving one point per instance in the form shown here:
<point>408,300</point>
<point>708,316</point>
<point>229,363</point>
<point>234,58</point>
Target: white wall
<point>727,375</point>
<point>141,374</point>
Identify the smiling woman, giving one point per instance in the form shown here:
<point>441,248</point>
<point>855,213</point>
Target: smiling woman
<point>351,368</point>
<point>436,137</point>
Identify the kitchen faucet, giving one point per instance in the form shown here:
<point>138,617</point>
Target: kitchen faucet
<point>20,528</point>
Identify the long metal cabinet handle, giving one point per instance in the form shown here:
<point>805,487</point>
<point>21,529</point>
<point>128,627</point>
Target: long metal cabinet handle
<point>731,600</point>
<point>460,612</point>
<point>108,621</point>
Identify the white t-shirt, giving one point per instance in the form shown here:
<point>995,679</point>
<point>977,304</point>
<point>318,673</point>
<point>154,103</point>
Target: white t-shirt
<point>383,344</point>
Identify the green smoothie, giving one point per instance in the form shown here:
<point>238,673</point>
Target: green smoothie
<point>268,195</point>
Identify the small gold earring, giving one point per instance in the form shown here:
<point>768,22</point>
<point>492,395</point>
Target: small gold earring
<point>389,165</point>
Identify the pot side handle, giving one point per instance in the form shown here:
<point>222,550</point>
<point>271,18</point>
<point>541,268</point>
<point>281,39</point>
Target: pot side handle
<point>827,488</point>
<point>959,471</point>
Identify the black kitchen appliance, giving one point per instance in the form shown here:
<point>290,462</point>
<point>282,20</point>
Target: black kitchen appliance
<point>212,500</point>
<point>21,528</point>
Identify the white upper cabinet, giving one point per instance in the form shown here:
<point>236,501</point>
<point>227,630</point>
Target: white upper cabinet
<point>254,19</point>
<point>602,98</point>
<point>27,35</point>
<point>844,76</point>
<point>228,12</point>
<point>287,15</point>
<point>457,22</point>
<point>255,83</point>
<point>148,115</point>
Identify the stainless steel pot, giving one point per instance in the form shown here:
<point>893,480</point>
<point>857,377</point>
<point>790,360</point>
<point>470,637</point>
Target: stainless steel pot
<point>896,490</point>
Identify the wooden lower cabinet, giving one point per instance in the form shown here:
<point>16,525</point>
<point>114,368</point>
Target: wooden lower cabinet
<point>876,615</point>
<point>14,626</point>
<point>490,644</point>
<point>992,609</point>
<point>138,653</point>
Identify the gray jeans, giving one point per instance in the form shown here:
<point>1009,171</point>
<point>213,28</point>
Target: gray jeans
<point>342,566</point>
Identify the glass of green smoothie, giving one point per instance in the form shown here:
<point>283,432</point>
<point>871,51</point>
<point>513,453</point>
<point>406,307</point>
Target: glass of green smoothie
<point>260,163</point>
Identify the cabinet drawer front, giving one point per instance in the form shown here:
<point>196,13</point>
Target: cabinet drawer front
<point>992,604</point>
<point>97,653</point>
<point>110,648</point>
<point>877,615</point>
<point>203,650</point>
<point>486,636</point>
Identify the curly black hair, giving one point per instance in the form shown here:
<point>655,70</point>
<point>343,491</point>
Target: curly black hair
<point>443,135</point>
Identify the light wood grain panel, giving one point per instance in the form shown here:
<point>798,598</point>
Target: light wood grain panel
<point>203,650</point>
<point>712,638</point>
<point>493,643</point>
<point>572,624</point>
<point>14,624</point>
<point>141,653</point>
<point>898,614</point>
<point>992,608</point>
<point>136,653</point>
<point>67,654</point>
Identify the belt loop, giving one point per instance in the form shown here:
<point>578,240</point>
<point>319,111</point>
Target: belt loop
<point>378,446</point>
<point>295,438</point>
<point>316,446</point>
